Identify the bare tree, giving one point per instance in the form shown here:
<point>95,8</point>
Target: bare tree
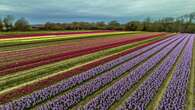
<point>8,22</point>
<point>187,20</point>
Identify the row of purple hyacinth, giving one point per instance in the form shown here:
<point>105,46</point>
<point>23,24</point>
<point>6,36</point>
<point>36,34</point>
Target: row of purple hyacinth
<point>42,95</point>
<point>90,87</point>
<point>83,91</point>
<point>144,94</point>
<point>115,92</point>
<point>175,95</point>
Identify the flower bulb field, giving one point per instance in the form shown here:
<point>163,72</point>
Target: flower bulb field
<point>97,70</point>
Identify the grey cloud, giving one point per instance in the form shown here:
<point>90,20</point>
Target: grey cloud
<point>100,9</point>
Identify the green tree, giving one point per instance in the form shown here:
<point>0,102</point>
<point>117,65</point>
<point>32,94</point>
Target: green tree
<point>48,26</point>
<point>22,24</point>
<point>132,26</point>
<point>113,25</point>
<point>1,25</point>
<point>101,25</point>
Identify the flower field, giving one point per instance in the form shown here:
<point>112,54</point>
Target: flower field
<point>97,70</point>
<point>47,34</point>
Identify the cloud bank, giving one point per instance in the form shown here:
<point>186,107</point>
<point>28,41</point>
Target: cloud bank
<point>89,10</point>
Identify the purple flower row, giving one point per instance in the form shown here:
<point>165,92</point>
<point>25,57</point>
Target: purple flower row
<point>175,95</point>
<point>149,88</point>
<point>42,95</point>
<point>116,91</point>
<point>90,87</point>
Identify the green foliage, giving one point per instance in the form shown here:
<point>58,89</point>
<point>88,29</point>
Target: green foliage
<point>114,25</point>
<point>1,25</point>
<point>133,26</point>
<point>22,25</point>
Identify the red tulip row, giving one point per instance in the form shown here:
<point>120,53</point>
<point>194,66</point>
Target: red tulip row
<point>52,80</point>
<point>46,34</point>
<point>10,68</point>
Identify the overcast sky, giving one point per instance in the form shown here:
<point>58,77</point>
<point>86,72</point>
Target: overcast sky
<point>38,11</point>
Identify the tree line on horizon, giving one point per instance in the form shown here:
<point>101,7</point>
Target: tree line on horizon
<point>184,24</point>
